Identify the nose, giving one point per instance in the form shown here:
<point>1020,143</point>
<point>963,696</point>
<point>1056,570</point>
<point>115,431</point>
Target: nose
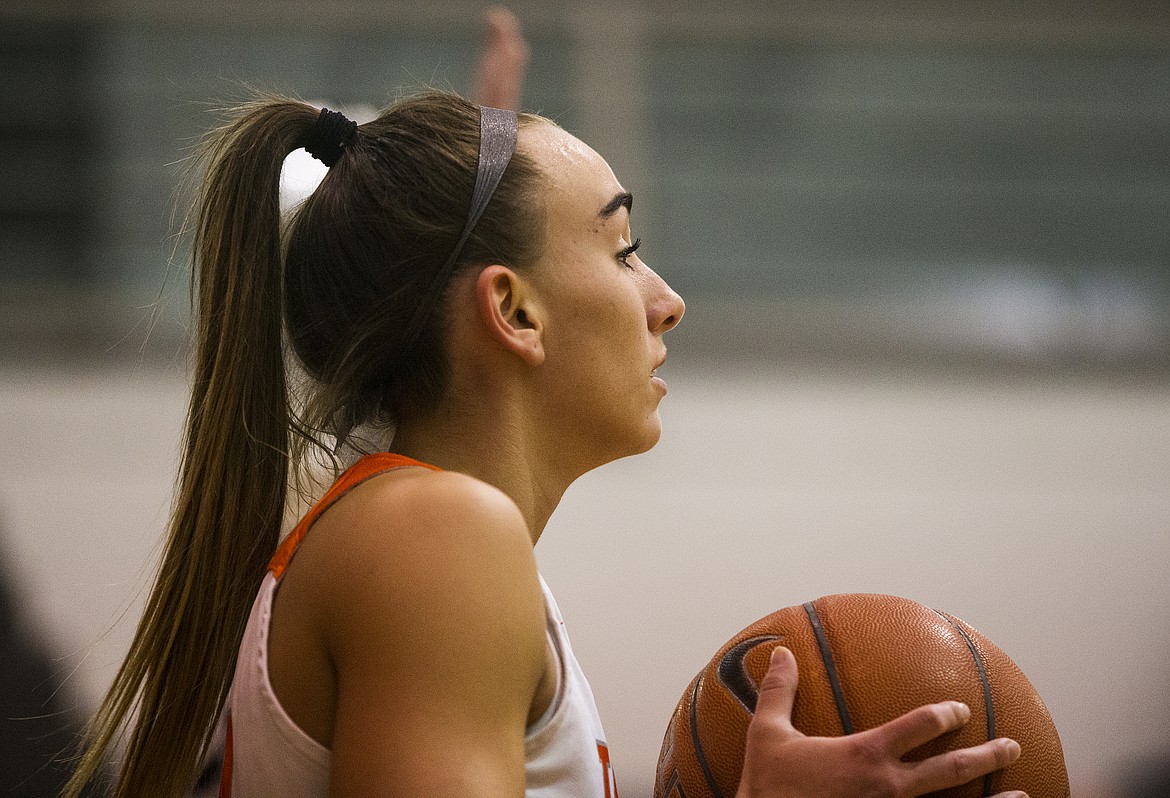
<point>665,309</point>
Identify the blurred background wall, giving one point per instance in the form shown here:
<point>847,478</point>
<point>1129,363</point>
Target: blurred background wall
<point>927,262</point>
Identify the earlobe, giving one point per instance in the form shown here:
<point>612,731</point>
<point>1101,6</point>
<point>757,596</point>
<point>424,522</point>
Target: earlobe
<point>509,313</point>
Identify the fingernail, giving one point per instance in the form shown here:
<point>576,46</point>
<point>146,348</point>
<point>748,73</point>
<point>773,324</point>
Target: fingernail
<point>1012,747</point>
<point>962,710</point>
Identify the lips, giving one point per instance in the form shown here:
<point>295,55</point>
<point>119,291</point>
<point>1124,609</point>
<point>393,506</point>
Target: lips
<point>658,365</point>
<point>654,378</point>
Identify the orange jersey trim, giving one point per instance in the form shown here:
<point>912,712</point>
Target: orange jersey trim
<point>225,776</point>
<point>369,466</point>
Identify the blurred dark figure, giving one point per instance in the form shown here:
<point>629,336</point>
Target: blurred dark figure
<point>38,724</point>
<point>1149,780</point>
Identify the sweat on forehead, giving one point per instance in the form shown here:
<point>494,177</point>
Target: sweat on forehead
<point>574,173</point>
<point>558,151</point>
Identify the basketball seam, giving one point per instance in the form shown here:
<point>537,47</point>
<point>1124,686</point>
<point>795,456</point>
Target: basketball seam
<point>830,667</point>
<point>707,774</point>
<point>989,705</point>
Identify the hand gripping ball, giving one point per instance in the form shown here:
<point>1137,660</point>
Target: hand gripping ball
<point>864,660</point>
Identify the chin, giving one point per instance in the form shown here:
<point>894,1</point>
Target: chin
<point>650,436</point>
<point>629,442</point>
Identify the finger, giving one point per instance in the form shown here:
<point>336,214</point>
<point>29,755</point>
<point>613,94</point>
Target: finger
<point>778,689</point>
<point>501,23</point>
<point>503,38</point>
<point>919,726</point>
<point>959,767</point>
<point>503,62</point>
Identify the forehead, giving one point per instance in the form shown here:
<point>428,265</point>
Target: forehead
<point>578,180</point>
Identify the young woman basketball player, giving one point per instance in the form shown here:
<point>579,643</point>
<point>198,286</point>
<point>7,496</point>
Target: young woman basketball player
<point>470,276</point>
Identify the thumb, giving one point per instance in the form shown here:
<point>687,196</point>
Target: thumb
<point>778,690</point>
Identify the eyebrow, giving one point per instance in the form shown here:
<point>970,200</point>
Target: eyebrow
<point>622,200</point>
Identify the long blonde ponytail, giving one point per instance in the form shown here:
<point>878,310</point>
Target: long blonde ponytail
<point>234,473</point>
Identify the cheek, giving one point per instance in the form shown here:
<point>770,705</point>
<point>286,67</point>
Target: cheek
<point>597,314</point>
<point>600,308</point>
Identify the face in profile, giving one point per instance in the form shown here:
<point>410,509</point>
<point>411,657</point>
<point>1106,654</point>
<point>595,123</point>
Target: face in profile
<point>606,310</point>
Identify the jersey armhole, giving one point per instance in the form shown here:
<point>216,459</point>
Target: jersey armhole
<point>559,689</point>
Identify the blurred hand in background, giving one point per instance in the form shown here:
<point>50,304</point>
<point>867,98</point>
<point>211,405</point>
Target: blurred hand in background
<point>499,78</point>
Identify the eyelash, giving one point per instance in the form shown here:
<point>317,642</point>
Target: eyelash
<point>624,255</point>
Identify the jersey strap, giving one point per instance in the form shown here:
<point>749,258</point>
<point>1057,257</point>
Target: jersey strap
<point>369,466</point>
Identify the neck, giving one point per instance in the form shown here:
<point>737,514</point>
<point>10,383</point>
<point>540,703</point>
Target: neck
<point>492,443</point>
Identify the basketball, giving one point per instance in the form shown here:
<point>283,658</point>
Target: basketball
<point>864,660</point>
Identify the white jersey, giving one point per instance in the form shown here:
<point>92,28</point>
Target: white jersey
<point>269,756</point>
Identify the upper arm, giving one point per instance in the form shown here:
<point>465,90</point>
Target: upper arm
<point>436,629</point>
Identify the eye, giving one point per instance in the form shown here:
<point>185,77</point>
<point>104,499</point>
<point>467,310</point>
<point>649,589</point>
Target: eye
<point>624,255</point>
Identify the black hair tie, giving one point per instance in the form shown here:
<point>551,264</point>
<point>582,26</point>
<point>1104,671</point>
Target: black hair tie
<point>328,136</point>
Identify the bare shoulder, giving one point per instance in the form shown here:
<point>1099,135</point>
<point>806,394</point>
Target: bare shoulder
<point>440,502</point>
<point>431,563</point>
<point>405,533</point>
<point>413,611</point>
<point>421,590</point>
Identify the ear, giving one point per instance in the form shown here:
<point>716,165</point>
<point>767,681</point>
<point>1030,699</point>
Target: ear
<point>509,313</point>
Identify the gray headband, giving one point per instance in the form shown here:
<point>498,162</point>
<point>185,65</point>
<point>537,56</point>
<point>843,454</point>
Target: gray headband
<point>497,143</point>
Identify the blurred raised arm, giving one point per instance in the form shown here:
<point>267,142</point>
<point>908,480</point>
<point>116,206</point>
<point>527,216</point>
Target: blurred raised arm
<point>499,78</point>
